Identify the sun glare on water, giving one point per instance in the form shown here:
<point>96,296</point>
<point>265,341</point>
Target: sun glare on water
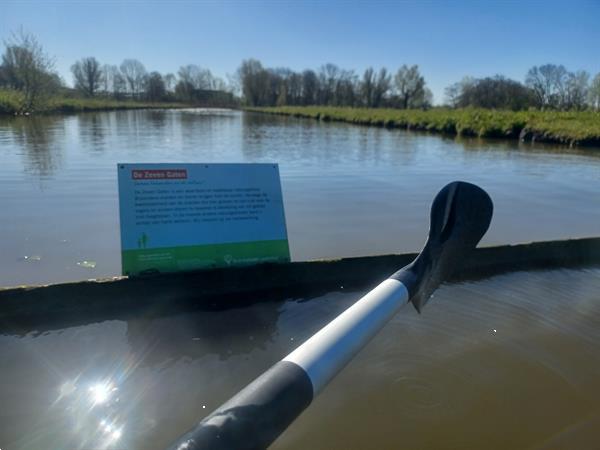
<point>101,392</point>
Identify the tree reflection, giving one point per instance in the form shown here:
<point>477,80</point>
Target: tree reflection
<point>93,128</point>
<point>38,137</point>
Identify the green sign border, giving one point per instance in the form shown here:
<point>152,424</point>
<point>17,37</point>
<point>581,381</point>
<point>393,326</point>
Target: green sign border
<point>175,259</point>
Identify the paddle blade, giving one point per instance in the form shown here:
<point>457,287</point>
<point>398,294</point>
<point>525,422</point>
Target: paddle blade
<point>460,215</point>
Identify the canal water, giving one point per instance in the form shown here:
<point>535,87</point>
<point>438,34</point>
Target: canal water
<point>509,362</point>
<point>348,190</point>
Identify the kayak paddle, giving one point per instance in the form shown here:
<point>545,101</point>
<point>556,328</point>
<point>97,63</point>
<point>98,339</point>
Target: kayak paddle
<point>460,215</point>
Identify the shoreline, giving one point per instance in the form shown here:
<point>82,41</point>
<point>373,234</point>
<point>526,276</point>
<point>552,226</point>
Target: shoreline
<point>62,105</point>
<point>574,129</point>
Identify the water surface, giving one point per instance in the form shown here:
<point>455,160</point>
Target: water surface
<point>348,190</point>
<point>508,362</point>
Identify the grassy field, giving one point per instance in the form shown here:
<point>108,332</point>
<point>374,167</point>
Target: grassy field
<point>12,102</point>
<point>572,128</point>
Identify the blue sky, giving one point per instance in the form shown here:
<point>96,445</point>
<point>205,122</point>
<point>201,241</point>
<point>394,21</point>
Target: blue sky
<point>447,39</point>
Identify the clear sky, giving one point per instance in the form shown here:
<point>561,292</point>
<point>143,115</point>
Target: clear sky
<point>447,39</point>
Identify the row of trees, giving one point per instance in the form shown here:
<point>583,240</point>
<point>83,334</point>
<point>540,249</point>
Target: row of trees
<point>333,86</point>
<point>548,86</point>
<point>27,68</point>
<point>553,86</point>
<point>130,79</point>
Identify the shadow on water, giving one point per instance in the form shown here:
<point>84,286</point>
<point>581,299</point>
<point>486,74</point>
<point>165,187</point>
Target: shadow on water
<point>225,334</point>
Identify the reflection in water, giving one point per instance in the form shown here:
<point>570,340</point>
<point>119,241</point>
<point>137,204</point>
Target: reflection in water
<point>158,119</point>
<point>94,414</point>
<point>37,137</point>
<point>348,190</point>
<point>501,145</point>
<point>206,135</point>
<point>515,357</point>
<point>92,128</point>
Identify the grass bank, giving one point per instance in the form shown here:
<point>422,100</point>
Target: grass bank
<point>571,128</point>
<point>75,105</point>
<point>12,102</point>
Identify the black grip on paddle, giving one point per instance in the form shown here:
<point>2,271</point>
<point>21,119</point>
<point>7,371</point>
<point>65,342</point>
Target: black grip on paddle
<point>257,415</point>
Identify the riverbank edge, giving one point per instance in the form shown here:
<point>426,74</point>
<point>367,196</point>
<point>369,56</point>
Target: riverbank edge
<point>82,106</point>
<point>11,104</point>
<point>122,297</point>
<point>573,129</point>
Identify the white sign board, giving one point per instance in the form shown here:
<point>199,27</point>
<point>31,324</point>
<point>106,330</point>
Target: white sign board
<point>189,216</point>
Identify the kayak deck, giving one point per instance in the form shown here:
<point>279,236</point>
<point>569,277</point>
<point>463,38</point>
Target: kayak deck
<point>224,288</point>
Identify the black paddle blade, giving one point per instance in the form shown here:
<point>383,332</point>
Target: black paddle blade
<point>460,215</point>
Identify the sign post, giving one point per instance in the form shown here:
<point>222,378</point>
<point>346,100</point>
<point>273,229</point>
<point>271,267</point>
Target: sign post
<point>178,217</point>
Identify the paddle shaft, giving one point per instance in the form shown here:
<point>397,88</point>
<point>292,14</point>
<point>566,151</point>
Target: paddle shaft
<point>460,215</point>
<point>259,413</point>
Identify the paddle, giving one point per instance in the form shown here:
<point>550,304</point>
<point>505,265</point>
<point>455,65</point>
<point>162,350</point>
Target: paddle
<point>460,215</point>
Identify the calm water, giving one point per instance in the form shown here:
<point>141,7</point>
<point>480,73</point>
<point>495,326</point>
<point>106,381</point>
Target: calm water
<point>508,362</point>
<point>511,362</point>
<point>348,190</point>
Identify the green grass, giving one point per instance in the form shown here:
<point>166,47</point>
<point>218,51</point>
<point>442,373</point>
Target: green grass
<point>12,102</point>
<point>74,105</point>
<point>572,128</point>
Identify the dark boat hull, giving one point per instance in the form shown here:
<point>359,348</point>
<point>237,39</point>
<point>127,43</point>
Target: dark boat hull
<point>225,288</point>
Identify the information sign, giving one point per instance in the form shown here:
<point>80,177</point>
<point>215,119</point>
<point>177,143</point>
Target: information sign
<point>188,216</point>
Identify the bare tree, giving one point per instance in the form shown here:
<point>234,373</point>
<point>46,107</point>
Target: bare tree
<point>233,84</point>
<point>28,68</point>
<point>368,86</point>
<point>427,99</point>
<point>295,88</point>
<point>155,87</point>
<point>346,89</point>
<point>254,80</point>
<point>328,78</point>
<point>109,79</point>
<point>310,87</point>
<point>106,81</point>
<point>576,90</point>
<point>119,84</point>
<point>454,92</point>
<point>135,75</point>
<point>410,86</point>
<point>383,83</point>
<point>548,84</point>
<point>87,75</point>
<point>218,84</point>
<point>594,92</point>
<point>170,82</point>
<point>197,77</point>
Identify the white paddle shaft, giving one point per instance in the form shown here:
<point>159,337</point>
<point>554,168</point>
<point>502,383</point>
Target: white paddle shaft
<point>331,348</point>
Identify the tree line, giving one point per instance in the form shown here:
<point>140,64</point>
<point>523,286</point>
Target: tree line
<point>333,86</point>
<point>130,79</point>
<point>27,68</point>
<point>548,86</point>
